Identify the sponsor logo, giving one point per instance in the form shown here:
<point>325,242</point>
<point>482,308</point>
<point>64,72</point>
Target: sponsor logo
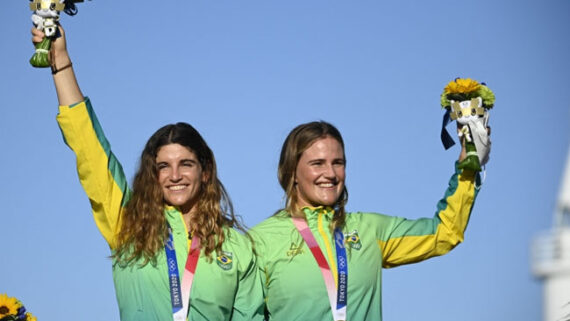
<point>225,260</point>
<point>294,250</point>
<point>353,240</point>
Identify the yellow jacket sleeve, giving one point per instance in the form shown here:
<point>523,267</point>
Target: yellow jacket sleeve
<point>100,173</point>
<point>409,241</point>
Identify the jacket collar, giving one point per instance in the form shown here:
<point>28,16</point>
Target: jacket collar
<point>313,212</point>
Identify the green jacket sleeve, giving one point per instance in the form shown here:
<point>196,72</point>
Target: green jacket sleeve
<point>248,304</point>
<point>260,268</point>
<point>100,173</point>
<point>408,241</point>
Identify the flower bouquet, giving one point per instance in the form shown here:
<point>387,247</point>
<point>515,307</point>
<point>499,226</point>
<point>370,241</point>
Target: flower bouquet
<point>11,309</point>
<point>46,17</point>
<point>468,102</point>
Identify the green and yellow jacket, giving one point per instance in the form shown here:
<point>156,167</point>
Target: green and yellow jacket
<point>293,284</point>
<point>228,289</point>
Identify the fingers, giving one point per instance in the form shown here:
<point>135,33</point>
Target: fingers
<point>37,35</point>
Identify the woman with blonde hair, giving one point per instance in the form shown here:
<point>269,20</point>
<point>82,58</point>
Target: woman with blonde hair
<point>320,263</point>
<point>175,242</point>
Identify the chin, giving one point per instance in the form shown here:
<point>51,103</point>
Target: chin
<point>172,202</point>
<point>327,203</point>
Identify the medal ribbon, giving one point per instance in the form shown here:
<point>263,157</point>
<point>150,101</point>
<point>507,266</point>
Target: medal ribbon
<point>180,294</point>
<point>337,299</point>
<point>342,267</point>
<point>445,137</point>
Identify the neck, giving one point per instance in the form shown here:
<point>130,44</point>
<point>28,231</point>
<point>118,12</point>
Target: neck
<point>187,216</point>
<point>188,211</point>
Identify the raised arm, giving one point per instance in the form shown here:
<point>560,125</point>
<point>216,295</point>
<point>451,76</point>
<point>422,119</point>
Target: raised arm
<point>409,241</point>
<point>100,173</point>
<point>68,92</point>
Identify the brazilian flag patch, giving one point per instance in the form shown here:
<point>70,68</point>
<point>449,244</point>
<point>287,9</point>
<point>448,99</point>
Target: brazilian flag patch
<point>225,260</point>
<point>353,240</point>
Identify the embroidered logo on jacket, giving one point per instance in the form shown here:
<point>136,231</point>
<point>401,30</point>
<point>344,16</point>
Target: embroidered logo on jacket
<point>225,260</point>
<point>353,240</point>
<point>294,250</point>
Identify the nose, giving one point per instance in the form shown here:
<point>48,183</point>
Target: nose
<point>175,174</point>
<point>330,171</point>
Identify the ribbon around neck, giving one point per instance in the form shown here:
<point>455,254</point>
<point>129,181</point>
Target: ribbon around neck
<point>180,293</point>
<point>338,298</point>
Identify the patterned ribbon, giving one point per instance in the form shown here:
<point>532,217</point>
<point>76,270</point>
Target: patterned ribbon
<point>337,299</point>
<point>180,297</point>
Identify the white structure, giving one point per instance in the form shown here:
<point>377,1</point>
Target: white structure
<point>551,257</point>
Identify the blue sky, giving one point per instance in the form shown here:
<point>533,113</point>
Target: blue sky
<point>244,73</point>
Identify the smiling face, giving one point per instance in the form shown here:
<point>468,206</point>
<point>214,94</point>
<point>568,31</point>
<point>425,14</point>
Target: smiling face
<point>180,176</point>
<point>320,173</point>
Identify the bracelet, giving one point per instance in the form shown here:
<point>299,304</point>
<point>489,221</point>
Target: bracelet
<point>54,70</point>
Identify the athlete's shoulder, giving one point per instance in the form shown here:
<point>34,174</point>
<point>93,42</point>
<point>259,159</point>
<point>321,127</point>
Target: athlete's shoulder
<point>236,237</point>
<point>238,248</point>
<point>273,224</point>
<point>368,217</point>
<point>370,224</point>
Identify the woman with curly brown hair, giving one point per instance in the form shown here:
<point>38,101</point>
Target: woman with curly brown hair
<point>175,242</point>
<point>321,263</point>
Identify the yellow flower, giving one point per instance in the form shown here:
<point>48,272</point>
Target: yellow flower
<point>461,86</point>
<point>30,317</point>
<point>8,305</point>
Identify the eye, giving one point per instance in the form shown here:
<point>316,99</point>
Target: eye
<point>318,162</point>
<point>473,112</point>
<point>459,114</point>
<point>52,6</point>
<point>339,162</point>
<point>38,6</point>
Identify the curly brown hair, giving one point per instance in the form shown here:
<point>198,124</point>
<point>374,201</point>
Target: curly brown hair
<point>299,140</point>
<point>144,228</point>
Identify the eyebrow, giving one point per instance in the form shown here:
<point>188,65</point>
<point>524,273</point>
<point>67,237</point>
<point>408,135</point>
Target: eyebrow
<point>324,160</point>
<point>189,160</point>
<point>184,160</point>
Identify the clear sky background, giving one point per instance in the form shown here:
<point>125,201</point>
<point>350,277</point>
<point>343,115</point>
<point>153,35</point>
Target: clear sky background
<point>244,73</point>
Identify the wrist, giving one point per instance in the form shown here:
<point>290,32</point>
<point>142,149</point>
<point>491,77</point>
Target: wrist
<point>59,62</point>
<point>59,58</point>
